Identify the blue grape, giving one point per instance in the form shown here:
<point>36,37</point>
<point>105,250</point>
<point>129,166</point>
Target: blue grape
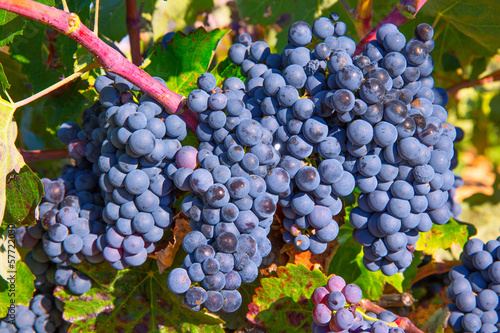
<point>79,283</point>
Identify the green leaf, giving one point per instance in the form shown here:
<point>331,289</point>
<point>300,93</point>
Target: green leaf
<point>132,300</point>
<point>442,237</point>
<point>348,263</point>
<point>226,69</point>
<point>24,190</point>
<point>10,158</point>
<point>30,49</point>
<point>449,40</point>
<point>112,17</point>
<point>191,140</point>
<point>450,62</point>
<point>11,29</point>
<point>477,19</point>
<point>12,24</point>
<point>16,79</point>
<point>18,287</point>
<point>283,303</point>
<point>187,57</point>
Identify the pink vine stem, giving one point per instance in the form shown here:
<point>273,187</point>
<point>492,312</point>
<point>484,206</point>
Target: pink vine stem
<point>110,59</point>
<point>404,11</point>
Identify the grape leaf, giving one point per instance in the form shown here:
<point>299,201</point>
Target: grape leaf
<point>132,300</point>
<point>38,64</point>
<point>187,57</point>
<point>24,190</point>
<point>226,69</point>
<point>348,263</point>
<point>283,303</point>
<point>18,287</point>
<point>12,24</point>
<point>477,19</point>
<point>450,43</point>
<point>442,237</point>
<point>10,158</point>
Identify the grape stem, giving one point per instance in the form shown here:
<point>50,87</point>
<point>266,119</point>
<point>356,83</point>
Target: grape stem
<point>402,322</point>
<point>191,120</point>
<point>57,85</point>
<point>134,31</point>
<point>109,58</point>
<point>368,318</point>
<point>404,11</point>
<point>495,76</point>
<point>43,155</point>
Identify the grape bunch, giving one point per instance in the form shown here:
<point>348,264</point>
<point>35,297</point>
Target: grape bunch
<point>44,314</point>
<point>475,288</point>
<point>407,173</point>
<point>336,310</point>
<point>234,193</point>
<point>70,212</point>
<point>286,91</point>
<point>141,140</point>
<point>373,121</point>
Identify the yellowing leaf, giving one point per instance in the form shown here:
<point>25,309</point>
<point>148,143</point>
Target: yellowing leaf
<point>10,158</point>
<point>442,237</point>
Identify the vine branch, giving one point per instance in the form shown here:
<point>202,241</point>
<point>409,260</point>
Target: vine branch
<point>495,76</point>
<point>43,155</point>
<point>134,31</point>
<point>404,11</point>
<point>402,322</point>
<point>110,59</point>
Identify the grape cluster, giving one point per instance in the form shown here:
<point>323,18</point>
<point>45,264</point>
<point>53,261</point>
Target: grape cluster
<point>336,310</point>
<point>372,121</point>
<point>140,141</point>
<point>234,194</point>
<point>70,212</point>
<point>475,288</point>
<point>305,132</point>
<point>409,173</point>
<point>44,314</point>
